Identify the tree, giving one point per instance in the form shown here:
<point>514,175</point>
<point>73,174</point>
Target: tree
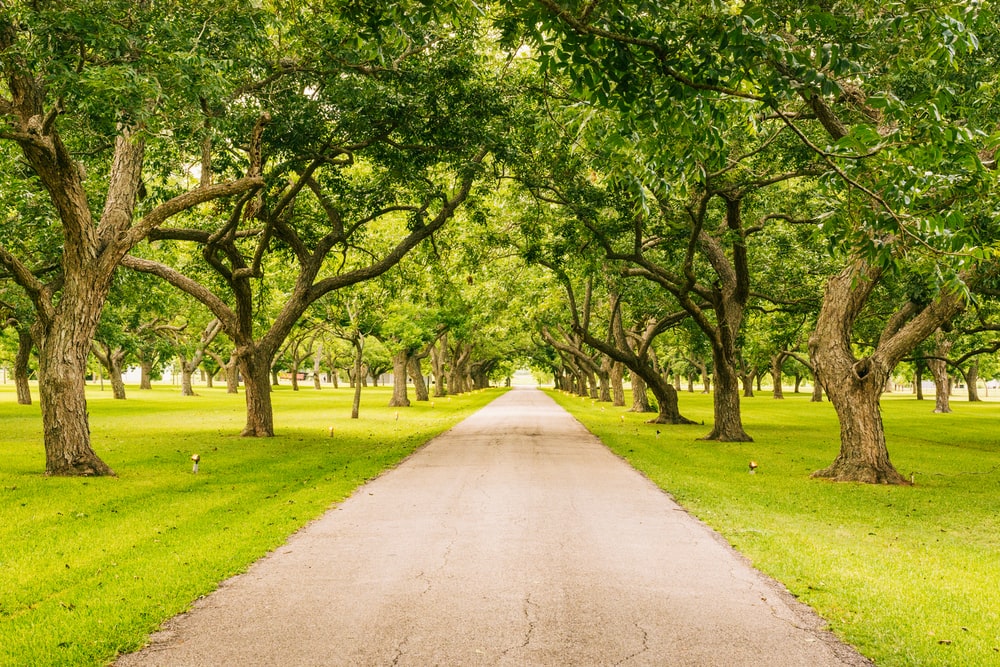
<point>365,161</point>
<point>84,119</point>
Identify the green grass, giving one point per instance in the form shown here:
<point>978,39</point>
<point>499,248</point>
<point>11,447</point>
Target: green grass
<point>89,567</point>
<point>911,576</point>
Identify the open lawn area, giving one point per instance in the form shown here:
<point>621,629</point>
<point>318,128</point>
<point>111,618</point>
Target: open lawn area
<point>909,575</point>
<point>89,567</point>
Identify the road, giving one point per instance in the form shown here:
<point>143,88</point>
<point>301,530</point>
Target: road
<point>516,538</point>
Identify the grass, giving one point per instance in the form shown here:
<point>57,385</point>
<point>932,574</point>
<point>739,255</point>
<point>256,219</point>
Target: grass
<point>911,576</point>
<point>90,567</point>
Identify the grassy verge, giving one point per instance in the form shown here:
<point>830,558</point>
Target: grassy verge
<point>88,568</point>
<point>911,576</point>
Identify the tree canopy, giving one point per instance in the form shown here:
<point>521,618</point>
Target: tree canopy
<point>608,190</point>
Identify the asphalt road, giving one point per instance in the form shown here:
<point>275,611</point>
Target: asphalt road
<point>516,538</point>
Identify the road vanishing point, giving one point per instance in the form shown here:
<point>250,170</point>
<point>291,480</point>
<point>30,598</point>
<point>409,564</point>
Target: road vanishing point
<point>516,538</point>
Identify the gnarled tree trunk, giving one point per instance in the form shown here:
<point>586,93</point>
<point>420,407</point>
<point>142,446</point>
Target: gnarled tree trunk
<point>939,371</point>
<point>972,380</point>
<point>25,343</point>
<point>400,361</point>
<point>617,385</point>
<point>255,367</point>
<point>855,385</point>
<point>640,401</point>
<point>777,390</point>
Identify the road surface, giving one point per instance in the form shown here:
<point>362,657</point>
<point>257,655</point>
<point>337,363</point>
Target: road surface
<point>516,538</point>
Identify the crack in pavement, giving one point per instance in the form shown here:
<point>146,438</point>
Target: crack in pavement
<point>529,633</point>
<point>644,649</point>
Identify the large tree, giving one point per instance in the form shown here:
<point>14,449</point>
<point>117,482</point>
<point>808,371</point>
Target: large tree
<point>378,129</point>
<point>88,93</point>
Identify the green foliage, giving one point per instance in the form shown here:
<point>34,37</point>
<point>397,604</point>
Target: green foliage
<point>908,575</point>
<point>90,569</point>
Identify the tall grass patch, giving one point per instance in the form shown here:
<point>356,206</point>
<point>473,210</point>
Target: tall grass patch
<point>90,567</point>
<point>909,575</point>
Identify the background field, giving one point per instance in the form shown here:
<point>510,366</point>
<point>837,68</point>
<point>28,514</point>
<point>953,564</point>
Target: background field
<point>909,575</point>
<point>89,567</point>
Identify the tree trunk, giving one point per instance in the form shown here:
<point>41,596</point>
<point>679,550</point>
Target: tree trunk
<point>419,386</point>
<point>232,376</point>
<point>22,366</point>
<point>439,358</point>
<point>111,360</point>
<point>747,379</point>
<point>939,371</point>
<point>62,369</point>
<point>706,379</point>
<point>186,372</point>
<point>777,390</point>
<point>918,380</point>
<point>116,358</point>
<point>972,380</point>
<point>317,358</point>
<point>359,348</point>
<point>863,456</point>
<point>666,400</point>
<point>855,385</point>
<point>617,387</point>
<point>145,375</point>
<point>295,373</point>
<point>605,378</point>
<point>209,379</point>
<point>640,401</point>
<point>400,361</point>
<point>817,392</point>
<point>798,382</point>
<point>726,403</point>
<point>256,370</point>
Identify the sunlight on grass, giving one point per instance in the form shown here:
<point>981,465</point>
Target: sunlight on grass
<point>909,575</point>
<point>89,567</point>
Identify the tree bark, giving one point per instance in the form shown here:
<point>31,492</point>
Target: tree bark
<point>419,386</point>
<point>817,392</point>
<point>855,385</point>
<point>62,367</point>
<point>439,358</point>
<point>617,385</point>
<point>400,361</point>
<point>359,348</point>
<point>112,360</point>
<point>728,425</point>
<point>939,371</point>
<point>145,375</point>
<point>256,370</point>
<point>186,372</point>
<point>640,401</point>
<point>22,360</point>
<point>777,391</point>
<point>747,379</point>
<point>972,380</point>
<point>317,358</point>
<point>605,378</point>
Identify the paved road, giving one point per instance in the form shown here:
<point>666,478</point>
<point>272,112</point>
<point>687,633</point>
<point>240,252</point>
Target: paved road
<point>514,539</point>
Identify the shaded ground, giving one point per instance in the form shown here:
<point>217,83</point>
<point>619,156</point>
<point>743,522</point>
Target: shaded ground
<point>514,539</point>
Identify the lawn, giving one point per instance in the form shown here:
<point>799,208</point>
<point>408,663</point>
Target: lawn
<point>89,567</point>
<point>909,575</point>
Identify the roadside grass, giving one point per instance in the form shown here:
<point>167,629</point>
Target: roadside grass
<point>909,575</point>
<point>90,567</point>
